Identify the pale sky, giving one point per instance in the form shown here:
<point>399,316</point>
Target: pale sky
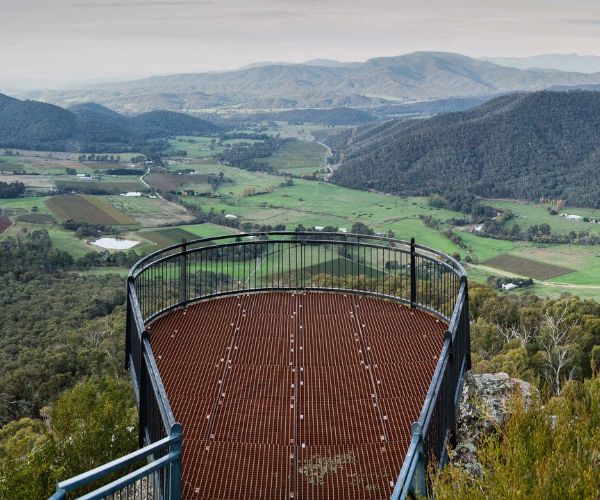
<point>68,40</point>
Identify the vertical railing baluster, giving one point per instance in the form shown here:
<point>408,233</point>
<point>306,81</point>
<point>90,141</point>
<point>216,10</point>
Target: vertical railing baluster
<point>413,274</point>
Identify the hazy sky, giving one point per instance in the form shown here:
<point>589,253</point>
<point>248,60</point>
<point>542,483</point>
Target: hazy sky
<point>90,39</point>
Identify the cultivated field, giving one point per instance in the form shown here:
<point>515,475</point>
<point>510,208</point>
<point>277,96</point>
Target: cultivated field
<point>173,182</point>
<point>11,167</point>
<point>167,236</point>
<point>5,223</point>
<point>527,267</point>
<point>262,198</point>
<point>299,157</point>
<point>150,212</point>
<point>90,209</point>
<point>36,218</point>
<point>172,235</point>
<point>107,186</point>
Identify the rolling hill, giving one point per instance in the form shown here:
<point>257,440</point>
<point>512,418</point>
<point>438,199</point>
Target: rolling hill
<point>87,127</point>
<point>522,146</point>
<point>416,76</point>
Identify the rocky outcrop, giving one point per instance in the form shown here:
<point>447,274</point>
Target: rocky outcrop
<point>483,406</point>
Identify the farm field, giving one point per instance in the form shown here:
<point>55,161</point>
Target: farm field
<point>263,198</point>
<point>16,206</point>
<point>299,157</point>
<point>528,214</point>
<point>5,223</point>
<point>167,236</point>
<point>196,147</point>
<point>174,182</point>
<point>11,167</point>
<point>527,267</point>
<point>89,209</point>
<point>108,185</point>
<point>30,181</point>
<point>150,212</point>
<point>172,235</point>
<point>62,239</point>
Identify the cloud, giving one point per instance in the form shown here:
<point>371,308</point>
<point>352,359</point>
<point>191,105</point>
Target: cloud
<point>161,3</point>
<point>588,22</point>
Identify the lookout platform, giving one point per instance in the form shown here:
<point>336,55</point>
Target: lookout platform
<point>295,395</point>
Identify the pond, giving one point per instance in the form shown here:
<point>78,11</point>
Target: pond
<point>115,244</point>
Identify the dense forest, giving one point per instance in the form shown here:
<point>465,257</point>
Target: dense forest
<point>88,127</point>
<point>524,146</point>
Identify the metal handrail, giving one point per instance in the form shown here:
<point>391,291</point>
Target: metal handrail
<point>168,278</point>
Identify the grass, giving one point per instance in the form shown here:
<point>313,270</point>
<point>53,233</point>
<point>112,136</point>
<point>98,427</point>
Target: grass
<point>529,214</point>
<point>172,235</point>
<point>36,218</point>
<point>195,147</point>
<point>11,167</point>
<point>109,186</point>
<point>299,157</point>
<point>168,236</point>
<point>527,267</point>
<point>149,212</point>
<point>316,204</point>
<point>209,230</point>
<point>89,209</point>
<point>8,206</point>
<point>61,238</point>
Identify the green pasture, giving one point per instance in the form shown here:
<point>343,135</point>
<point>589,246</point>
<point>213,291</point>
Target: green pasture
<point>299,157</point>
<point>529,214</point>
<point>196,147</point>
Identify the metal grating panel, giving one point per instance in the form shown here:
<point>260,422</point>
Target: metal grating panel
<point>295,395</point>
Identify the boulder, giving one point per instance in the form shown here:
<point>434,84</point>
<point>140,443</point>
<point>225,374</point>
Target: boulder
<point>483,406</point>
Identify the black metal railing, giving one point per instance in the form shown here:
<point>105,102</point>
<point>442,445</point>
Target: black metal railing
<point>338,262</point>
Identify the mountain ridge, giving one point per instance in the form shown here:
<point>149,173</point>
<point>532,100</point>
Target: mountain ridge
<point>522,146</point>
<point>87,127</point>
<point>415,76</point>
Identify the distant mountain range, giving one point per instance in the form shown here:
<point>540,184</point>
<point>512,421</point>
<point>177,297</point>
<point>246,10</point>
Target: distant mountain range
<point>412,77</point>
<point>561,62</point>
<point>524,146</point>
<point>88,127</point>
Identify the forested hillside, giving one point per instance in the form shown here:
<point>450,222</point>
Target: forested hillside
<point>524,146</point>
<point>87,127</point>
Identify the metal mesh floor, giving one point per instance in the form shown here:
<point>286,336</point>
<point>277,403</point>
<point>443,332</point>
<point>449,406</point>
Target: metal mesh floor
<point>295,395</point>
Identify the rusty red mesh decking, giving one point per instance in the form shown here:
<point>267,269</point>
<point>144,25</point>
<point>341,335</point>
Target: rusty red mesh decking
<point>295,395</point>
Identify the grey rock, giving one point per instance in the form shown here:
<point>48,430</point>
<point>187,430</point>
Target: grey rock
<point>483,407</point>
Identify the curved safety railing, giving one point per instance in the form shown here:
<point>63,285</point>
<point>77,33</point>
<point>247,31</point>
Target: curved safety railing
<point>182,274</point>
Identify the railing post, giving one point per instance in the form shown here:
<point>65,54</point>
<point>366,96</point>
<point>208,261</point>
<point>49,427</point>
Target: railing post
<point>183,274</point>
<point>413,275</point>
<point>466,322</point>
<point>419,481</point>
<point>143,387</point>
<point>175,472</point>
<point>450,408</point>
<point>128,321</point>
<point>60,494</point>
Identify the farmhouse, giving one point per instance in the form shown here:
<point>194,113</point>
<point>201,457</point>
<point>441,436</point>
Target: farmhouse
<point>230,216</point>
<point>571,216</point>
<point>509,286</point>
